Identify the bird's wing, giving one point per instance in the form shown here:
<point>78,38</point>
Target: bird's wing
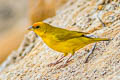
<point>63,35</point>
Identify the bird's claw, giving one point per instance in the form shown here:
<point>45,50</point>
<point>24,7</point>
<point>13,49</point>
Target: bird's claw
<point>62,66</point>
<point>53,64</point>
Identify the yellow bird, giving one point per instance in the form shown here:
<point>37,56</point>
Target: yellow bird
<point>63,40</point>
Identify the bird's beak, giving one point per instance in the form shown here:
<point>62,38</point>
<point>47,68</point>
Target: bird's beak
<point>30,28</point>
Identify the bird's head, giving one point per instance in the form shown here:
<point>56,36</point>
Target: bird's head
<point>39,28</point>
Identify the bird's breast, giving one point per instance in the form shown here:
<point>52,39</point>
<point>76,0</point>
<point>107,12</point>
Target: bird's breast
<point>55,44</point>
<point>51,42</point>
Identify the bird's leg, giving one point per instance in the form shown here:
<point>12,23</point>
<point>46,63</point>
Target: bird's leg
<point>68,59</point>
<point>73,52</point>
<point>93,48</point>
<point>57,62</point>
<point>65,64</point>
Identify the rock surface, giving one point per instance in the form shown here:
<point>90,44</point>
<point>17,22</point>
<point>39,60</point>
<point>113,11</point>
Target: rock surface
<point>30,61</point>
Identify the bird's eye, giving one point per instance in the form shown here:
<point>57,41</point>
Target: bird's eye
<point>37,26</point>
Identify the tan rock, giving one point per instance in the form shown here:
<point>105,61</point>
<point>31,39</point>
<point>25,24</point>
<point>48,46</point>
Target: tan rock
<point>31,59</point>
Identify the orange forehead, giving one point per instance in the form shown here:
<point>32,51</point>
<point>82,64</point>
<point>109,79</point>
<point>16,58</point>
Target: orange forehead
<point>37,24</point>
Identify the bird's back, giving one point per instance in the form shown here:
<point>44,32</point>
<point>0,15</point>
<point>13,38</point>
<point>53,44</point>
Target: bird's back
<point>66,41</point>
<point>62,40</point>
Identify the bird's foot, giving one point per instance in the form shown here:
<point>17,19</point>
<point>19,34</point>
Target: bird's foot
<point>53,64</point>
<point>65,64</point>
<point>62,66</point>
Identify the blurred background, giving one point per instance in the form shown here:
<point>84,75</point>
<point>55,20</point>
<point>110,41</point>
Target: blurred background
<point>17,15</point>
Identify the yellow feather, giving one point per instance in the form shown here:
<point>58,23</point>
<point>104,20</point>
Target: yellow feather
<point>63,40</point>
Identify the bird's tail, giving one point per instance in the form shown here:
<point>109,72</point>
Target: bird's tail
<point>101,39</point>
<point>97,39</point>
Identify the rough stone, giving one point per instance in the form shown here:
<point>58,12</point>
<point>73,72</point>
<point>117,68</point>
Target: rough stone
<point>31,59</point>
